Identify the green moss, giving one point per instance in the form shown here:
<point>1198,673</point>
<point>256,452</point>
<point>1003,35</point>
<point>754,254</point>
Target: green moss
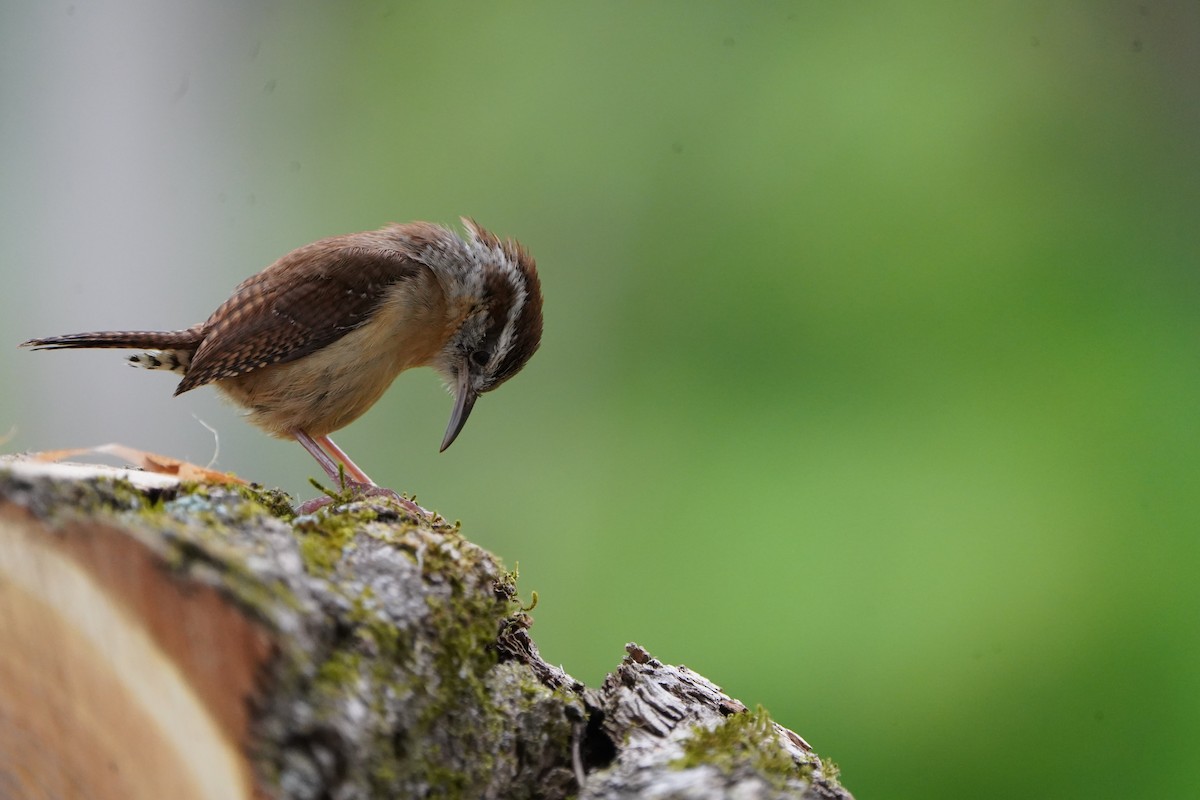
<point>325,536</point>
<point>386,651</point>
<point>275,502</point>
<point>465,624</point>
<point>461,713</point>
<point>125,494</point>
<point>339,497</point>
<point>386,643</point>
<point>216,507</point>
<point>465,629</point>
<point>338,672</point>
<point>742,740</point>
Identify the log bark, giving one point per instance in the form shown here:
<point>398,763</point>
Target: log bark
<point>165,639</point>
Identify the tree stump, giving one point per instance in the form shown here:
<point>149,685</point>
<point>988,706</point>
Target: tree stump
<point>166,639</point>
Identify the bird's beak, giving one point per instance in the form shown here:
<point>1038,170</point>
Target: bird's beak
<point>464,399</point>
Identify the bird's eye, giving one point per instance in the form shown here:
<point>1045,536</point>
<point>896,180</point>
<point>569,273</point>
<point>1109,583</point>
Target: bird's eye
<point>481,358</point>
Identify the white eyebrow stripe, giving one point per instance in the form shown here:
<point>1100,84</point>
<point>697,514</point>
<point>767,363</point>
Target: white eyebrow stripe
<point>480,253</point>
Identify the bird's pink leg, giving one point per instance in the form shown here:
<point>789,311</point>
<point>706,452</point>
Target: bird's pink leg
<point>351,468</point>
<point>321,448</point>
<point>327,463</point>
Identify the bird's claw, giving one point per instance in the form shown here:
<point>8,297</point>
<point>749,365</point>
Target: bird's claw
<point>357,490</point>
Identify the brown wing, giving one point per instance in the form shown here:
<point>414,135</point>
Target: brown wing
<point>301,303</point>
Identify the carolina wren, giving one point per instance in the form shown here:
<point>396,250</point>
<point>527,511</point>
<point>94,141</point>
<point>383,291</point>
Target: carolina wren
<point>310,343</point>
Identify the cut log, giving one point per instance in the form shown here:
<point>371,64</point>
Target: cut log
<point>161,639</point>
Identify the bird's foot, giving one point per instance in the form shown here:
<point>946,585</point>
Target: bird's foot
<point>353,490</point>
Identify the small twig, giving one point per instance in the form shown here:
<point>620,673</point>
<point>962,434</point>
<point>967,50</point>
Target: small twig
<point>216,441</point>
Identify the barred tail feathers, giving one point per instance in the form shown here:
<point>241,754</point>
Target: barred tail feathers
<point>170,350</point>
<point>170,360</point>
<point>152,340</point>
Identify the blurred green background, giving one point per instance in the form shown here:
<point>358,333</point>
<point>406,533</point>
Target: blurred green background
<point>869,384</point>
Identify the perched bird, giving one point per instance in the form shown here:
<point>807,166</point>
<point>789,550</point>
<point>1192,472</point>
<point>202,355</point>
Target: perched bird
<point>310,343</point>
